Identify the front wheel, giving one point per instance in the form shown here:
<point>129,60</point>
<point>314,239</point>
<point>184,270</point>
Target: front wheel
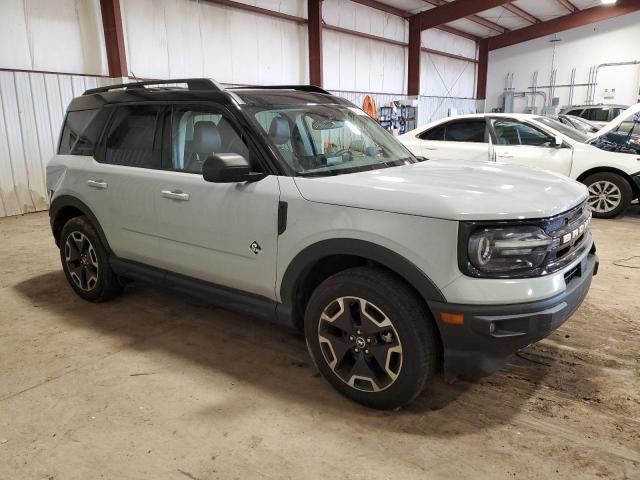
<point>609,194</point>
<point>371,337</point>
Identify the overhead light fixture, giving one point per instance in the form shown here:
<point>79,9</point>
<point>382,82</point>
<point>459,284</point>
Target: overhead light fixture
<point>608,2</point>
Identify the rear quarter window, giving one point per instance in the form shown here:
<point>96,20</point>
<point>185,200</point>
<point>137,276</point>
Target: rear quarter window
<point>81,131</point>
<point>436,133</point>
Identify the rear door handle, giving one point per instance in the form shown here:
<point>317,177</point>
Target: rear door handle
<point>175,195</point>
<point>99,184</point>
<point>504,155</point>
<point>429,147</point>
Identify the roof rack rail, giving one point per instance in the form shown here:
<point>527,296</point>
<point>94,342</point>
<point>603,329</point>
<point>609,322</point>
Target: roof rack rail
<point>303,88</point>
<point>192,84</point>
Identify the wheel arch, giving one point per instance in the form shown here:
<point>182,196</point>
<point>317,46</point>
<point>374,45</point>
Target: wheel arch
<point>319,261</point>
<point>606,169</point>
<point>66,207</point>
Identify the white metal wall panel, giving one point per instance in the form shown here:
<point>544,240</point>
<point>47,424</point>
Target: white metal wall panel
<point>431,109</point>
<point>297,8</point>
<point>180,38</point>
<point>32,107</point>
<point>447,42</point>
<point>353,16</point>
<point>355,63</point>
<point>446,77</point>
<point>579,48</point>
<point>52,35</point>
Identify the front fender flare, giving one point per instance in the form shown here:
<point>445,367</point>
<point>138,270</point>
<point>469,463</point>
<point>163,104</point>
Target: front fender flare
<point>309,256</point>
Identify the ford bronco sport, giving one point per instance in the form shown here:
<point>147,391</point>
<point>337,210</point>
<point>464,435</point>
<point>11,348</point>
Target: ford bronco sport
<point>292,204</point>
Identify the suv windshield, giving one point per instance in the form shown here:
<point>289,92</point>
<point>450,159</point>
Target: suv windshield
<point>570,132</point>
<point>321,140</point>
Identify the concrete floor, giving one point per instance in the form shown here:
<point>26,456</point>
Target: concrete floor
<point>153,385</point>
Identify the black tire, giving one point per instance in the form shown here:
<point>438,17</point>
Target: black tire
<point>624,193</point>
<point>96,262</point>
<point>412,325</point>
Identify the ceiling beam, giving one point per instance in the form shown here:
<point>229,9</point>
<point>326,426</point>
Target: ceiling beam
<point>454,11</point>
<point>560,24</point>
<point>383,7</point>
<point>474,18</point>
<point>568,5</point>
<point>517,11</point>
<point>460,33</point>
<point>263,11</point>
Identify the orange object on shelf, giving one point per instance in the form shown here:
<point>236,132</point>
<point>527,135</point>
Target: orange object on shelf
<point>369,106</point>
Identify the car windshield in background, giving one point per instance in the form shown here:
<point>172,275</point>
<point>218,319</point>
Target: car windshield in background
<point>564,129</point>
<point>322,140</point>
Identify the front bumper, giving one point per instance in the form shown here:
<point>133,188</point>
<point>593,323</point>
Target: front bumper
<point>491,334</point>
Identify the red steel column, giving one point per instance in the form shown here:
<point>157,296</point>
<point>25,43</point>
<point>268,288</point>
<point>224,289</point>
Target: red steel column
<point>315,41</point>
<point>114,38</point>
<point>413,69</point>
<point>483,63</point>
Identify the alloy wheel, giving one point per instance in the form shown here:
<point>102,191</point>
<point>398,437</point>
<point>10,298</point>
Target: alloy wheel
<point>604,196</point>
<point>82,261</point>
<point>360,344</point>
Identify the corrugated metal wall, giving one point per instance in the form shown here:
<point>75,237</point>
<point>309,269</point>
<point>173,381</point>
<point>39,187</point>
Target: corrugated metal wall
<point>429,108</point>
<point>32,107</point>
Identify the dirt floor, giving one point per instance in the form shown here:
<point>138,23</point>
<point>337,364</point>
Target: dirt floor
<point>153,385</point>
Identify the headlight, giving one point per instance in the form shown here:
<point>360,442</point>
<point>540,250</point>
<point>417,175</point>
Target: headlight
<point>508,251</point>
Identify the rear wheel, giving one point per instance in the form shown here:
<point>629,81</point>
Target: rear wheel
<point>371,337</point>
<point>609,194</point>
<point>85,262</point>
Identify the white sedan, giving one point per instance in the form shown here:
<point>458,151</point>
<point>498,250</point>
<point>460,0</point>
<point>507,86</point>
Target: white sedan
<point>612,175</point>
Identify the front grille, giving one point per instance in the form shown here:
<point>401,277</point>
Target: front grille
<point>572,237</point>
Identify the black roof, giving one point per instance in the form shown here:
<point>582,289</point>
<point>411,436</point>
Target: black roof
<point>204,90</point>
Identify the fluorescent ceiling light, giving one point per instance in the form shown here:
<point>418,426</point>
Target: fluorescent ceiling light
<point>608,2</point>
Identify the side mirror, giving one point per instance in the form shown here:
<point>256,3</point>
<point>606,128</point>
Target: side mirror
<point>228,168</point>
<point>557,141</point>
<point>636,118</point>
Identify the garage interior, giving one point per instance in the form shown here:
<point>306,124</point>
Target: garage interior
<point>158,385</point>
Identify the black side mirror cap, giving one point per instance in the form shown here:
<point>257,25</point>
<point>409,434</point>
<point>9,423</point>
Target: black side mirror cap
<point>228,168</point>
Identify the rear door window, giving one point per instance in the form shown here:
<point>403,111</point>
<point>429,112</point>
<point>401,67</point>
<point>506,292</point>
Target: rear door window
<point>597,114</point>
<point>130,137</point>
<point>615,111</point>
<point>436,133</point>
<point>466,131</point>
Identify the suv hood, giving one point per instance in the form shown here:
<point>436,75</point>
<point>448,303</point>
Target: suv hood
<point>450,189</point>
<point>626,116</point>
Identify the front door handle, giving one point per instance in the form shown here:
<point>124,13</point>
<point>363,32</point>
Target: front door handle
<point>429,147</point>
<point>99,184</point>
<point>176,195</point>
<point>504,155</point>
